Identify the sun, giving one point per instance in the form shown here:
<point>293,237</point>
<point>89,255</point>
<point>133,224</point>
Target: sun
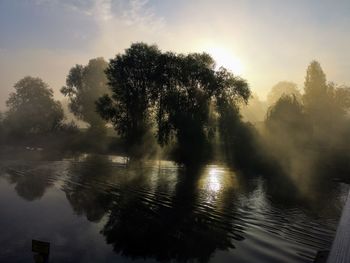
<point>224,57</point>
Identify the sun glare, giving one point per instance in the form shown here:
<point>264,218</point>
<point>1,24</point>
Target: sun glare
<point>214,182</point>
<point>224,57</point>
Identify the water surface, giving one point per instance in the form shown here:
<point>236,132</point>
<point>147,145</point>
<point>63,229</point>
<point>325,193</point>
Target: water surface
<point>98,209</point>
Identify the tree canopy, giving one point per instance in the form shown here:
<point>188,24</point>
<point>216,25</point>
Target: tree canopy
<point>32,109</point>
<point>325,103</point>
<point>131,78</point>
<point>169,92</point>
<point>317,97</point>
<point>286,115</point>
<point>84,85</point>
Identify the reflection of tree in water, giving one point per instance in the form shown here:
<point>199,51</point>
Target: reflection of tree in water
<point>179,230</point>
<point>319,198</point>
<point>181,215</point>
<point>83,189</point>
<point>152,213</point>
<point>31,180</point>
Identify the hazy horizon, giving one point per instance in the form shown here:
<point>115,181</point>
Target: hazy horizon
<point>263,42</point>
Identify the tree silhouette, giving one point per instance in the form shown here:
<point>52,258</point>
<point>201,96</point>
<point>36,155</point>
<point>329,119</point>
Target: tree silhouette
<point>195,100</point>
<point>32,109</point>
<point>177,232</point>
<point>186,108</point>
<point>325,103</point>
<point>93,202</point>
<point>131,77</point>
<point>31,180</point>
<point>171,94</point>
<point>84,85</point>
<point>339,102</point>
<point>316,96</point>
<point>287,116</point>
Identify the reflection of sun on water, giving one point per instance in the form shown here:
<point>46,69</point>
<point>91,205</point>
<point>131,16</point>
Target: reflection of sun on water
<point>214,182</point>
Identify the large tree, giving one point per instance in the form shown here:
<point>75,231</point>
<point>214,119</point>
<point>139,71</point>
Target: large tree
<point>317,96</point>
<point>288,133</point>
<point>187,102</point>
<point>131,78</point>
<point>84,85</point>
<point>286,116</point>
<point>191,96</point>
<point>325,103</point>
<point>174,93</point>
<point>32,109</point>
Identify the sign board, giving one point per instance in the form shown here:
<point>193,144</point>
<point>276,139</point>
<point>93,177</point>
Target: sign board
<point>41,247</point>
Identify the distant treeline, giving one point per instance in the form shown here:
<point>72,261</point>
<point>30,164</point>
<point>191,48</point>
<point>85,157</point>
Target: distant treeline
<point>185,108</point>
<point>308,132</point>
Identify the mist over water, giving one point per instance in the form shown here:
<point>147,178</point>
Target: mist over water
<point>97,207</point>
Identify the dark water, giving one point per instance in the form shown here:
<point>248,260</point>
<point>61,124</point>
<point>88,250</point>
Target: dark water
<point>96,209</point>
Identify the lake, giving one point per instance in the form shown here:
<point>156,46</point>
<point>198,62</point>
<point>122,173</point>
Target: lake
<point>100,209</point>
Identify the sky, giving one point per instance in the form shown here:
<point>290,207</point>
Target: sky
<point>263,41</point>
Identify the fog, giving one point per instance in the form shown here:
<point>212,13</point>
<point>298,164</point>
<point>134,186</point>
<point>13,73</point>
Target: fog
<point>72,32</point>
<point>177,131</point>
<point>150,104</point>
<point>305,132</point>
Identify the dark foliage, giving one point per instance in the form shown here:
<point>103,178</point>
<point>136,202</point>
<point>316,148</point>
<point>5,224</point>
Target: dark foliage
<point>32,109</point>
<point>171,94</point>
